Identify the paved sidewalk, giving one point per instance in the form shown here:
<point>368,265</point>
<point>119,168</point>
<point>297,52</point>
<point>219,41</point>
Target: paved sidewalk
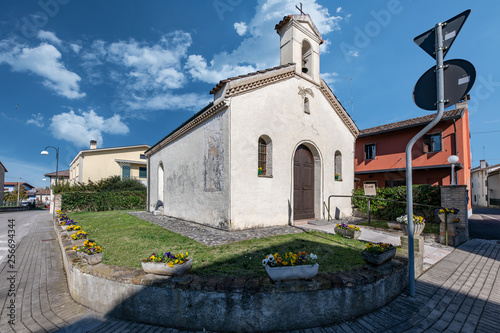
<point>460,293</point>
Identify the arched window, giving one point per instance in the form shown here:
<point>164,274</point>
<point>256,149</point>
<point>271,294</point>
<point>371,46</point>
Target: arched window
<point>338,165</point>
<point>264,166</point>
<point>306,57</point>
<point>306,105</point>
<point>160,182</point>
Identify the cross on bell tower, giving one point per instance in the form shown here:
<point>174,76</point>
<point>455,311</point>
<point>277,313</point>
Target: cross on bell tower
<point>300,9</point>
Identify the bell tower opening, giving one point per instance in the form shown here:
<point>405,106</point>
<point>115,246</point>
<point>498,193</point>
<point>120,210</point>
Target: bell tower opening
<point>299,44</point>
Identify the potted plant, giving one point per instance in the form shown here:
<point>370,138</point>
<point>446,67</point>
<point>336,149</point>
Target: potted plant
<point>337,176</point>
<point>347,231</point>
<point>71,229</point>
<point>259,171</point>
<point>90,252</point>
<point>378,253</point>
<point>418,224</point>
<point>80,234</point>
<point>166,263</point>
<point>291,266</point>
<point>443,213</point>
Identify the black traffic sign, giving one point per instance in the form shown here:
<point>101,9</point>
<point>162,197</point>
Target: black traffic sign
<point>451,28</point>
<point>459,77</point>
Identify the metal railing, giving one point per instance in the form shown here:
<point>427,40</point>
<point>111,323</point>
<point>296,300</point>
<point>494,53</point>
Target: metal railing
<point>371,198</point>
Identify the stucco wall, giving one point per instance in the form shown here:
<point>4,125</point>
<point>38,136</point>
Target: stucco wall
<point>277,111</point>
<point>478,188</point>
<point>196,177</point>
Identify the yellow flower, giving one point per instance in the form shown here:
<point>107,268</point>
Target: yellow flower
<point>171,264</point>
<point>152,258</point>
<point>176,261</point>
<point>181,262</point>
<point>74,248</point>
<point>187,253</point>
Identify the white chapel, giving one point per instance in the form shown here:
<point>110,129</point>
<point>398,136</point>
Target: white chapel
<point>269,150</point>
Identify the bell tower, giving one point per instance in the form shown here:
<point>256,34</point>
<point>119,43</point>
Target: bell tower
<point>299,44</point>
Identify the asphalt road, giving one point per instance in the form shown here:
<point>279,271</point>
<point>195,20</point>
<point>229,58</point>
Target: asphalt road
<point>485,223</point>
<point>23,221</point>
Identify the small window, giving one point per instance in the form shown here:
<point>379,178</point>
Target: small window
<point>338,165</point>
<point>262,168</point>
<point>306,106</point>
<point>264,165</point>
<point>432,143</point>
<point>143,172</point>
<point>142,157</point>
<point>370,151</point>
<point>125,171</point>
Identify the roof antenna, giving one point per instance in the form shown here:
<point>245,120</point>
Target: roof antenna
<point>351,101</point>
<point>300,9</point>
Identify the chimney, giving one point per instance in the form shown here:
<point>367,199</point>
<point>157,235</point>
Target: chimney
<point>93,144</point>
<point>463,103</point>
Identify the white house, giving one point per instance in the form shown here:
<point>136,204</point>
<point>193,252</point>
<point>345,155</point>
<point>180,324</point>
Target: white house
<point>485,185</point>
<point>269,150</point>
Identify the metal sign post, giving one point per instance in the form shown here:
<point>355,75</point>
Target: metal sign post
<point>436,46</point>
<point>409,180</point>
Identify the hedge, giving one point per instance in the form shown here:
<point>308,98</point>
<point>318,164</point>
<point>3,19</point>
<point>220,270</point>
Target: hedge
<point>103,201</point>
<point>387,210</point>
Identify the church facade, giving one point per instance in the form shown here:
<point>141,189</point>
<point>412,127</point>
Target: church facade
<point>269,150</point>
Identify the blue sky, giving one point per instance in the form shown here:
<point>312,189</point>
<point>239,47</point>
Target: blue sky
<point>129,72</point>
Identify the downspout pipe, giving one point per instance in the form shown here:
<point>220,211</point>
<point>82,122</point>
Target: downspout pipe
<point>409,180</point>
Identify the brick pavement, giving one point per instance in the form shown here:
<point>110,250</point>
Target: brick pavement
<point>461,293</point>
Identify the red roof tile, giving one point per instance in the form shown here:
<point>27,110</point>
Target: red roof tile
<point>452,114</point>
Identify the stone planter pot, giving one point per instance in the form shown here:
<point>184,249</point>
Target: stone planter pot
<point>378,259</point>
<point>161,268</point>
<point>348,233</point>
<point>292,272</point>
<point>91,259</point>
<point>394,225</point>
<point>417,228</point>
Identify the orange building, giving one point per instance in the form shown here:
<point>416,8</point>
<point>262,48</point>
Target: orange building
<point>380,151</point>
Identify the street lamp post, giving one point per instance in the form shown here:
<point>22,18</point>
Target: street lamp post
<point>453,159</point>
<point>45,152</point>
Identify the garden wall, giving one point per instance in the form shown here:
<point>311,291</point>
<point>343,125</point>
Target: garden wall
<point>195,302</point>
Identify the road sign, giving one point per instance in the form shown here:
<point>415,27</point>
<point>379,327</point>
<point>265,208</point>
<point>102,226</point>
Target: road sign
<point>459,76</point>
<point>451,28</point>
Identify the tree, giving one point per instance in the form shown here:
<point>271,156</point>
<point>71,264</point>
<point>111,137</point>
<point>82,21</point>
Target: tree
<point>12,196</point>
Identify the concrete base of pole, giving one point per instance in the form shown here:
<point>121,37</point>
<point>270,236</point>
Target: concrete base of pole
<point>418,248</point>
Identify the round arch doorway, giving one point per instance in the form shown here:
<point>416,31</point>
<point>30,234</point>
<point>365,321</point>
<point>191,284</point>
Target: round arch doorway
<point>303,184</point>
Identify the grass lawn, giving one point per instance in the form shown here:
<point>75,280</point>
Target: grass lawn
<point>127,239</point>
<point>430,228</point>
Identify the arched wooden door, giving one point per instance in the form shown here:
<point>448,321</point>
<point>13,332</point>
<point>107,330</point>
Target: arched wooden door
<point>303,184</point>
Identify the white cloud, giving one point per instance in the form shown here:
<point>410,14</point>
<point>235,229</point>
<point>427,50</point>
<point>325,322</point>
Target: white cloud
<point>44,61</point>
<point>76,48</point>
<point>168,101</point>
<point>330,78</point>
<point>353,53</point>
<point>241,28</point>
<point>258,50</point>
<point>37,120</point>
<point>49,36</point>
<point>156,66</point>
<point>80,129</point>
<point>339,9</point>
